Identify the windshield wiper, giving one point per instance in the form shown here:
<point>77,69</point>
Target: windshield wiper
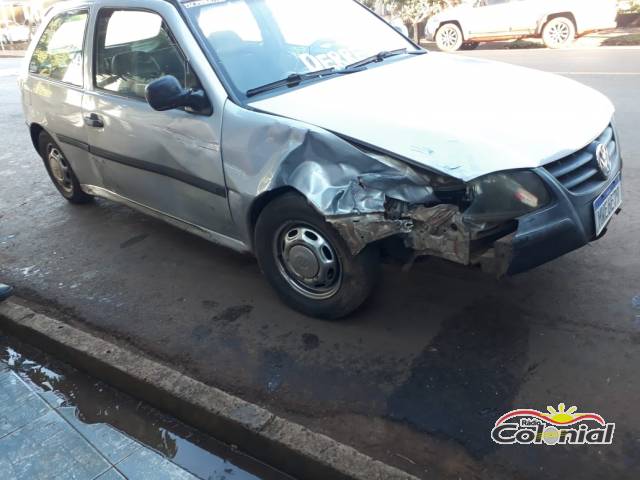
<point>381,56</point>
<point>296,79</point>
<point>292,80</point>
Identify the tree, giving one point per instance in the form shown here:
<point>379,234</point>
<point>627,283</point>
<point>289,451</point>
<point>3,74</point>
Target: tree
<point>412,12</point>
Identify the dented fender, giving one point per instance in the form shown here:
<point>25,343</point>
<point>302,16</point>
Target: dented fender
<point>263,153</point>
<point>366,196</point>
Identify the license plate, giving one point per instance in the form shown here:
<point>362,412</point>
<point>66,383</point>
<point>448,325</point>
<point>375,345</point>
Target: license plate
<point>606,205</point>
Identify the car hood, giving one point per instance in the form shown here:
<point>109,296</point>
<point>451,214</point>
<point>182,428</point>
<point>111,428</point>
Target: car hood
<point>460,116</point>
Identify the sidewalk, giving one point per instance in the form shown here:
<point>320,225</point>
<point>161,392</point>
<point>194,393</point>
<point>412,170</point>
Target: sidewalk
<point>12,53</point>
<point>40,439</point>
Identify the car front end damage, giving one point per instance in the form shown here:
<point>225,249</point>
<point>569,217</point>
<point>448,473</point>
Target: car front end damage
<point>505,223</point>
<point>442,230</point>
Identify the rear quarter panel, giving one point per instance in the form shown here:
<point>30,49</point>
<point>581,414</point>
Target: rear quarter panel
<point>595,14</point>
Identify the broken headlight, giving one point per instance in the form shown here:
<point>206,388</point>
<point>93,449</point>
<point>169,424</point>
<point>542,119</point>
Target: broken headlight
<point>504,196</point>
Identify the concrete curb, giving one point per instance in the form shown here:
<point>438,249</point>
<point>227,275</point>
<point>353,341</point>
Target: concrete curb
<point>256,431</point>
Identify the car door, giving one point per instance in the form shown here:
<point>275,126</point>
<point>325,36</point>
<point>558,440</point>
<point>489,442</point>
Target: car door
<point>525,15</point>
<point>490,18</point>
<point>167,162</point>
<point>52,89</point>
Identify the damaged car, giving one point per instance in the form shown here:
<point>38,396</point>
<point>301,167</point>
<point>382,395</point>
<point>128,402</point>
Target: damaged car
<point>314,135</point>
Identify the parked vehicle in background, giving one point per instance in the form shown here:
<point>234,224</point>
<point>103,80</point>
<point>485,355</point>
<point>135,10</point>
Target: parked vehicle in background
<point>557,22</point>
<point>12,32</point>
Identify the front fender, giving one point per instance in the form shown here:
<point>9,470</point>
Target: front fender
<point>263,153</point>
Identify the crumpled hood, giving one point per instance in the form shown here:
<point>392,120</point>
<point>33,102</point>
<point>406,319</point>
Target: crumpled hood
<point>458,115</point>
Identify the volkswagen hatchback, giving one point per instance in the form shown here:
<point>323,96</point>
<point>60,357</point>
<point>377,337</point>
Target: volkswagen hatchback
<point>317,137</point>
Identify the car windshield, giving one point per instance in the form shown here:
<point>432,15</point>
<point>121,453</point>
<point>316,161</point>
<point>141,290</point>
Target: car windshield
<point>258,42</point>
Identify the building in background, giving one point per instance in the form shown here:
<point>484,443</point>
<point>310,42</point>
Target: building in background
<point>19,19</point>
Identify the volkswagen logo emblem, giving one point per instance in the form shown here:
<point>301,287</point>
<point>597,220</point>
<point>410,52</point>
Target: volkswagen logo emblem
<point>604,160</point>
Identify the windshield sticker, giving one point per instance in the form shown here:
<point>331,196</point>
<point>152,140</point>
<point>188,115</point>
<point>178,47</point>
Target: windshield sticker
<point>199,3</point>
<point>331,59</point>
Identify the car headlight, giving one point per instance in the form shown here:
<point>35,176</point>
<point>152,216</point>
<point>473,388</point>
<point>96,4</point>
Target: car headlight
<point>503,196</point>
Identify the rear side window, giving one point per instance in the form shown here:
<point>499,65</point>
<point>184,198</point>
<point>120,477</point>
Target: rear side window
<point>58,54</point>
<point>133,48</point>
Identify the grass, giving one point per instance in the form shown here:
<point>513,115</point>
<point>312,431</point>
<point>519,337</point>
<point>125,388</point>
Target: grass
<point>631,39</point>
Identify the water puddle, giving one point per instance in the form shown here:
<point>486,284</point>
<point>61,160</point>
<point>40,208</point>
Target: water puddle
<point>97,403</point>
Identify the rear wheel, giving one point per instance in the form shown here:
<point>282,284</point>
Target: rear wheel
<point>60,170</point>
<point>559,32</point>
<point>449,37</point>
<point>308,263</point>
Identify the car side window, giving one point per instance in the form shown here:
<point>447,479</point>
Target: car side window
<point>58,54</point>
<point>133,48</point>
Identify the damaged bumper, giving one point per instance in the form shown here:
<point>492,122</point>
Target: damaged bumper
<point>564,225</point>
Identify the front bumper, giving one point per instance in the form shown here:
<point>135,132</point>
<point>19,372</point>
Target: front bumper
<point>567,224</point>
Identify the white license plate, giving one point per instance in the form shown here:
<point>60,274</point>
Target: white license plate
<point>607,204</point>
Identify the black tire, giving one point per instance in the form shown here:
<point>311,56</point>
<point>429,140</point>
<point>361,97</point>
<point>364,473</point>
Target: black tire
<point>291,213</point>
<point>559,32</point>
<point>62,176</point>
<point>470,45</point>
<point>449,37</point>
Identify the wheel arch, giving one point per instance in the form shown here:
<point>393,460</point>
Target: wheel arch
<point>543,22</point>
<point>259,204</point>
<point>35,129</point>
<point>456,23</point>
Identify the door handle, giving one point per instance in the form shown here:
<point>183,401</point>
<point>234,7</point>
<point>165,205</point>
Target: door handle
<point>94,120</point>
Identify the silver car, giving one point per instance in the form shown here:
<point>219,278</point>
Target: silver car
<point>317,137</point>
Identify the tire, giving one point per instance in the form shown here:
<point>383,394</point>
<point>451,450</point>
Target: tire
<point>449,37</point>
<point>60,171</point>
<point>291,240</point>
<point>471,45</point>
<point>559,32</point>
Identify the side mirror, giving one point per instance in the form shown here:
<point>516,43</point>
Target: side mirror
<point>166,93</point>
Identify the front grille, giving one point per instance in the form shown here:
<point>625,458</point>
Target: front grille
<point>579,172</point>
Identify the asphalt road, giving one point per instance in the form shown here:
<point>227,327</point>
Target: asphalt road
<point>417,378</point>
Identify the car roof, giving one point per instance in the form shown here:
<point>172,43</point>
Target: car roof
<point>59,7</point>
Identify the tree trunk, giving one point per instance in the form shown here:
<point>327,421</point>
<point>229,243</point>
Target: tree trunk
<point>416,32</point>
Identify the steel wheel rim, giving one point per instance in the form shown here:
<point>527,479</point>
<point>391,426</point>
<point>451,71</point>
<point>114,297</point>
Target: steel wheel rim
<point>559,33</point>
<point>60,169</point>
<point>449,37</point>
<point>307,261</point>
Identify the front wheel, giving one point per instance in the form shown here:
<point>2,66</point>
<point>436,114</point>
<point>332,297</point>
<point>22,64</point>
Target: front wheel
<point>559,32</point>
<point>449,37</point>
<point>308,263</point>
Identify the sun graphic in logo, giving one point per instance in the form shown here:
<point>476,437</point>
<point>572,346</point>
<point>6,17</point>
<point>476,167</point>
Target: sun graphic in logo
<point>562,416</point>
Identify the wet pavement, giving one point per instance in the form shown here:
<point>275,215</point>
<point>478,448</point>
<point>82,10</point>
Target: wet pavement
<point>56,422</point>
<point>419,376</point>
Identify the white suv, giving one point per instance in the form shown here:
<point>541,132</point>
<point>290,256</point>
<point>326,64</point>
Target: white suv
<point>557,22</point>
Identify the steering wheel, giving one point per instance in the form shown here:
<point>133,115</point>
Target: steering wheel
<point>144,65</point>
